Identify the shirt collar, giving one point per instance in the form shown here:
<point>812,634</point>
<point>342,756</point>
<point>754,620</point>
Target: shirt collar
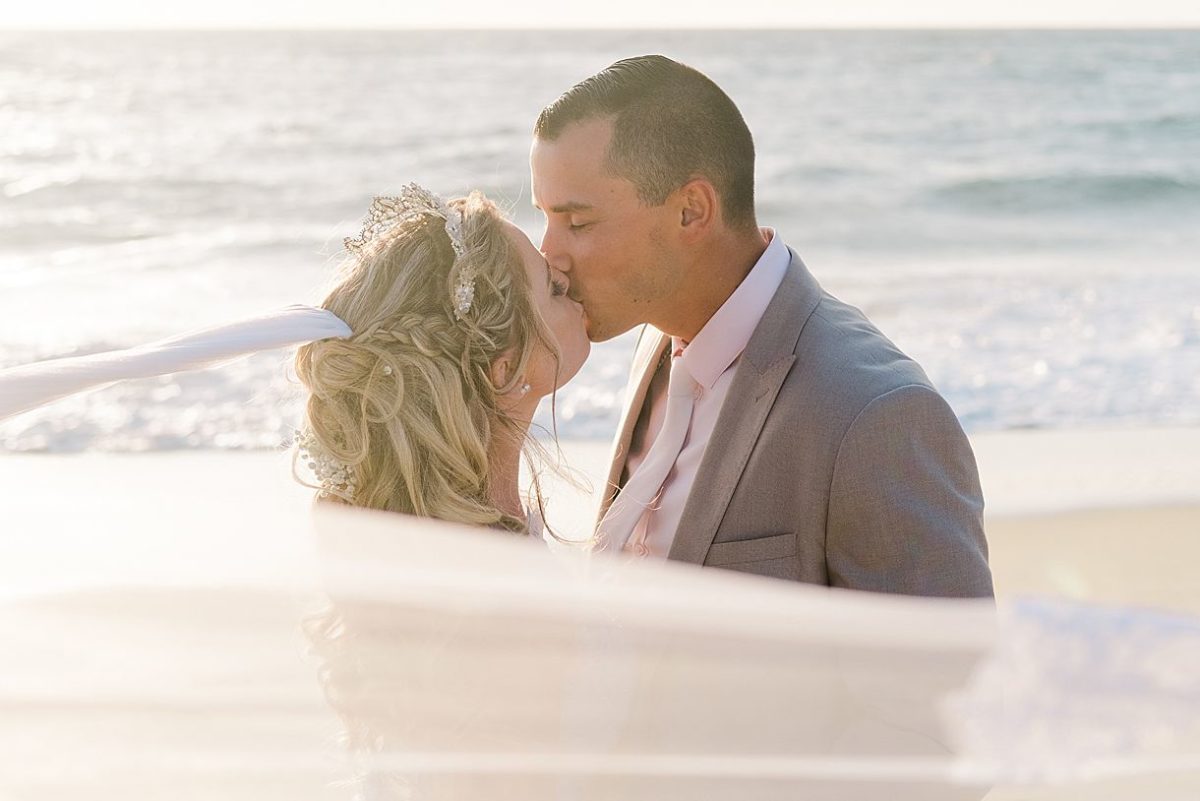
<point>726,334</point>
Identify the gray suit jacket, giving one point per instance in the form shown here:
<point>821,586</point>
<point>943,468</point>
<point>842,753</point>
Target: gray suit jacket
<point>833,461</point>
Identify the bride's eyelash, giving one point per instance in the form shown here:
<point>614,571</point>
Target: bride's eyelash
<point>557,289</point>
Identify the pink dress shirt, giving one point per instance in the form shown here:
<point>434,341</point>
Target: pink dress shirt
<point>711,358</point>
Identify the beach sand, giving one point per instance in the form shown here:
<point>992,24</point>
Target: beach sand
<point>1099,515</point>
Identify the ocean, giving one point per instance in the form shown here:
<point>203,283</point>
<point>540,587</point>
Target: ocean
<point>1019,211</point>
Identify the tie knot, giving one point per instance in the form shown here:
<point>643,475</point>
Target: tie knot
<point>681,381</point>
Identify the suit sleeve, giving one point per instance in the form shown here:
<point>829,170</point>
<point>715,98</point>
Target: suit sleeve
<point>905,505</point>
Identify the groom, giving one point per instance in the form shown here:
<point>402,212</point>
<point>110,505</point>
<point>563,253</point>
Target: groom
<point>772,429</point>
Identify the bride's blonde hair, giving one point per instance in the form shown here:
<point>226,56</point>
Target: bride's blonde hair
<point>407,403</point>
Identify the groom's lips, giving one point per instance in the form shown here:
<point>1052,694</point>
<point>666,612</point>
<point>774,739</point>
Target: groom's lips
<point>583,314</point>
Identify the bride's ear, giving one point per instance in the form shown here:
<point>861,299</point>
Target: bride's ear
<point>503,369</point>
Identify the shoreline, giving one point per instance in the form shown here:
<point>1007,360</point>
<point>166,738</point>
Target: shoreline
<point>1023,471</point>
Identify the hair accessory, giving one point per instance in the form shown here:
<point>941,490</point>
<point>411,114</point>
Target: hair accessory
<point>414,202</point>
<point>335,478</point>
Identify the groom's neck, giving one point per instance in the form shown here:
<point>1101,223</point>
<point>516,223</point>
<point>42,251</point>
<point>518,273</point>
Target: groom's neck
<point>711,276</point>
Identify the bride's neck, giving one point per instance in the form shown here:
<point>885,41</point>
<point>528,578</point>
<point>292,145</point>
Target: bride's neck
<point>504,463</point>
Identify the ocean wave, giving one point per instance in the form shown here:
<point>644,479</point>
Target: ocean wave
<point>34,183</point>
<point>1165,123</point>
<point>1067,191</point>
<point>74,185</point>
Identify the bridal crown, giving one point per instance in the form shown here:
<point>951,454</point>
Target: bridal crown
<point>415,202</point>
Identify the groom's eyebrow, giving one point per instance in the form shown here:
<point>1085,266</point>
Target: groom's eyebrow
<point>571,206</point>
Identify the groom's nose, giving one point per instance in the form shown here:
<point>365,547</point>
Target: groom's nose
<point>551,248</point>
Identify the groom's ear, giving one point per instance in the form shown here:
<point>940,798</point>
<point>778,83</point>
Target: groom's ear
<point>697,203</point>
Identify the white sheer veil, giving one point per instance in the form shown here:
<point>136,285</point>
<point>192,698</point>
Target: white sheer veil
<point>27,387</point>
<point>343,653</point>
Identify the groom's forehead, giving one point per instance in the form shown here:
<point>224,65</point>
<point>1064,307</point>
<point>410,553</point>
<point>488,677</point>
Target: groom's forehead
<point>580,147</point>
<point>559,162</point>
<point>563,182</point>
<point>562,188</point>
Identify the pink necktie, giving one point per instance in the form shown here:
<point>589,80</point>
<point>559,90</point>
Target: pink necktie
<point>644,485</point>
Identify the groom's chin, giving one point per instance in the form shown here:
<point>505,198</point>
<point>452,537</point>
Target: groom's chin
<point>599,333</point>
<point>595,332</point>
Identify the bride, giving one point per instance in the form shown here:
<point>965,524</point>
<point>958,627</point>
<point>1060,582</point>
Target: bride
<point>460,327</point>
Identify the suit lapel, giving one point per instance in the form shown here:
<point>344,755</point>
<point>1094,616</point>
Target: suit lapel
<point>764,365</point>
<point>645,363</point>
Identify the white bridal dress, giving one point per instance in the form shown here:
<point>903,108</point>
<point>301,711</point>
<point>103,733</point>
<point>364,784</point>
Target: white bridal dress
<point>337,654</point>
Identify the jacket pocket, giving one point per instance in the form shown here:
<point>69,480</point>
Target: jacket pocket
<point>772,546</point>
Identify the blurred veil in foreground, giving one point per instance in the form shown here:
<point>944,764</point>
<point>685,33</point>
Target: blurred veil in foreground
<point>365,655</point>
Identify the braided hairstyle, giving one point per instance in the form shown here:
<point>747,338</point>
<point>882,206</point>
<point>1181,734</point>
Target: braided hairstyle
<point>408,403</point>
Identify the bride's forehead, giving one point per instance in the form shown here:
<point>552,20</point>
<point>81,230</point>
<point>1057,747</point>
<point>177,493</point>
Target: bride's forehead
<point>530,256</point>
<point>518,237</point>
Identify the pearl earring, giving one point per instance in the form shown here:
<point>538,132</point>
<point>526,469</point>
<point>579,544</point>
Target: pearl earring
<point>525,389</point>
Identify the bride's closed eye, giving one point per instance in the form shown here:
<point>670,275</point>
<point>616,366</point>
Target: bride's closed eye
<point>559,283</point>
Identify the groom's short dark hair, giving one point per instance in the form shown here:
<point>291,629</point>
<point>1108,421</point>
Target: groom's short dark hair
<point>671,123</point>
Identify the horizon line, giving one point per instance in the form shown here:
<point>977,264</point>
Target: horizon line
<point>1014,28</point>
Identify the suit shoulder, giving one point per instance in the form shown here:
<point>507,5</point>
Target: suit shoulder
<point>852,355</point>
